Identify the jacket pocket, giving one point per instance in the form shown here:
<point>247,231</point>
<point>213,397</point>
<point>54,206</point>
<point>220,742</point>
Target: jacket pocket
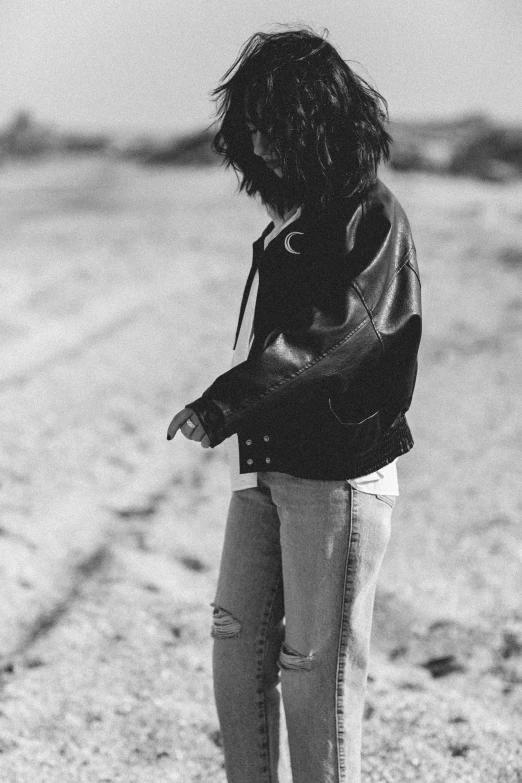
<point>361,435</point>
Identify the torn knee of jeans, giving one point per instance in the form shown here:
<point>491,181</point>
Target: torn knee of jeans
<point>224,625</point>
<point>290,659</point>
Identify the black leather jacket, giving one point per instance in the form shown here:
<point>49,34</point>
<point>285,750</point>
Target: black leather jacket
<point>337,327</point>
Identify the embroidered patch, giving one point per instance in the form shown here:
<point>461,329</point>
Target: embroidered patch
<point>288,245</point>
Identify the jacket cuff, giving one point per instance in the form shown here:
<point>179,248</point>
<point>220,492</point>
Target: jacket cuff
<point>211,417</point>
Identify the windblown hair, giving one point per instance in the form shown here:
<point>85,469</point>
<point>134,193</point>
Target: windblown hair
<point>323,121</point>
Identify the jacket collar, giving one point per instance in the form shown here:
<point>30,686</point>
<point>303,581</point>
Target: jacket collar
<point>279,243</point>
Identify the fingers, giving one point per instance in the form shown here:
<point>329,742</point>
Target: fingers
<point>178,421</point>
<point>197,434</point>
<point>193,433</point>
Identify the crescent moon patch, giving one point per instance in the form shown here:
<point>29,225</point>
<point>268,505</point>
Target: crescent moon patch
<point>287,242</point>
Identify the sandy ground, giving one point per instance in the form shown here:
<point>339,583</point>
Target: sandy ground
<point>110,536</point>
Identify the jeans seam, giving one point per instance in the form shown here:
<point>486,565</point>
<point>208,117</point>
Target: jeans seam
<point>260,652</point>
<point>339,718</point>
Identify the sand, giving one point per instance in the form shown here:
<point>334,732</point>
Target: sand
<point>110,536</point>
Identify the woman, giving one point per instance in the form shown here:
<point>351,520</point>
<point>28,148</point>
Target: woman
<point>312,408</point>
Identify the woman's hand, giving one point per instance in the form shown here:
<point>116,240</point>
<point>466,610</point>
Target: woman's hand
<point>189,424</point>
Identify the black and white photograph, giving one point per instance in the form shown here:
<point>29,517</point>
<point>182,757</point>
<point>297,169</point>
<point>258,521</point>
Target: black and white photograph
<point>260,392</point>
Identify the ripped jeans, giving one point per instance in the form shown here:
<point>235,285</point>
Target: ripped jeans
<point>292,619</point>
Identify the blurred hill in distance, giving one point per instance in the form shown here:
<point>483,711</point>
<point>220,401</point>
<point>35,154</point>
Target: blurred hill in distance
<point>472,146</point>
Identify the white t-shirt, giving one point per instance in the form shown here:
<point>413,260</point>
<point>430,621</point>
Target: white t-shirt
<point>382,482</point>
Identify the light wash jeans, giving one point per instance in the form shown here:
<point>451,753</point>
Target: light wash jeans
<point>292,617</point>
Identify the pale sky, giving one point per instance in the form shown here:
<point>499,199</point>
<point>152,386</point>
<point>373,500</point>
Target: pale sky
<point>151,64</point>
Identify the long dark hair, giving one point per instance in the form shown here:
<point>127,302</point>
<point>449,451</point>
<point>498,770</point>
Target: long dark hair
<point>324,122</point>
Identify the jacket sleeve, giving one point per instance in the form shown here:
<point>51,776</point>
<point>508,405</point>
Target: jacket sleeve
<point>331,339</point>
